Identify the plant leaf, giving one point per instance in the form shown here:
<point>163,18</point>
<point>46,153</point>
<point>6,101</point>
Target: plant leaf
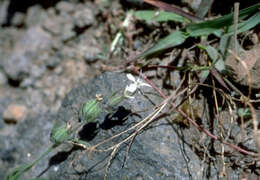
<point>18,171</point>
<point>216,58</point>
<point>210,26</point>
<point>204,8</point>
<point>173,39</point>
<point>246,25</point>
<point>149,15</point>
<point>172,8</point>
<point>203,75</point>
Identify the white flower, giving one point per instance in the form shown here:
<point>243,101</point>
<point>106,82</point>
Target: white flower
<point>131,89</point>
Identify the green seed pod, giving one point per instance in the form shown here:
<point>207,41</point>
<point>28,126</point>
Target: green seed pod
<point>90,111</point>
<point>59,134</point>
<point>115,100</point>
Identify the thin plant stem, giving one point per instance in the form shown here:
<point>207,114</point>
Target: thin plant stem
<point>193,122</point>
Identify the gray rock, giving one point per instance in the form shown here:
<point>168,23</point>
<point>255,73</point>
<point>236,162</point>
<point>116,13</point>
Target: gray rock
<point>35,16</point>
<point>65,7</point>
<point>52,25</point>
<point>18,65</point>
<point>36,73</point>
<point>88,48</point>
<point>156,153</point>
<point>25,143</point>
<point>84,17</point>
<point>53,61</point>
<point>3,79</point>
<point>67,32</point>
<point>61,26</point>
<point>18,19</point>
<point>91,54</point>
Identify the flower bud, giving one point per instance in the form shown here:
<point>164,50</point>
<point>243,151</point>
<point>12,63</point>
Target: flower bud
<point>115,100</point>
<point>90,111</point>
<point>60,134</point>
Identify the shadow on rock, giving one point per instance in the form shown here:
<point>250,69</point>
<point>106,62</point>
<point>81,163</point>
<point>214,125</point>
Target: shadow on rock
<point>58,158</point>
<point>116,119</point>
<point>88,132</point>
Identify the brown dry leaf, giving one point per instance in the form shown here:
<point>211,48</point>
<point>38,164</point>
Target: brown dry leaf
<point>252,61</point>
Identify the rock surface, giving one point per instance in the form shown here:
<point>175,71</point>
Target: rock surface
<point>157,153</point>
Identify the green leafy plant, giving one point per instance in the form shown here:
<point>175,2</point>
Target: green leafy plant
<point>89,112</point>
<point>216,26</point>
<point>60,134</point>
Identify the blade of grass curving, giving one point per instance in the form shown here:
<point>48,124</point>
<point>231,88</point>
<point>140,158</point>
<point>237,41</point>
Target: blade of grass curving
<point>17,172</point>
<point>224,44</point>
<point>174,39</point>
<point>208,27</point>
<point>162,16</point>
<point>172,8</point>
<point>242,27</point>
<point>246,25</point>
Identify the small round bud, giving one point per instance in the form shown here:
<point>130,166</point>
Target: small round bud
<point>90,111</point>
<point>59,134</point>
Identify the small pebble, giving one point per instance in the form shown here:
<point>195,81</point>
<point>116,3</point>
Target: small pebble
<point>84,17</point>
<point>14,113</point>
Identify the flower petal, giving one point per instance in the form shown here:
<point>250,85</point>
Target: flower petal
<point>141,83</point>
<point>131,88</point>
<point>130,97</point>
<point>145,84</point>
<point>130,77</point>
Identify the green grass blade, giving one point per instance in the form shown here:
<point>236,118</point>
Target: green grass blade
<point>208,27</point>
<point>173,39</point>
<point>216,58</point>
<point>17,172</point>
<point>203,75</point>
<point>149,15</point>
<point>204,8</point>
<point>246,25</point>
